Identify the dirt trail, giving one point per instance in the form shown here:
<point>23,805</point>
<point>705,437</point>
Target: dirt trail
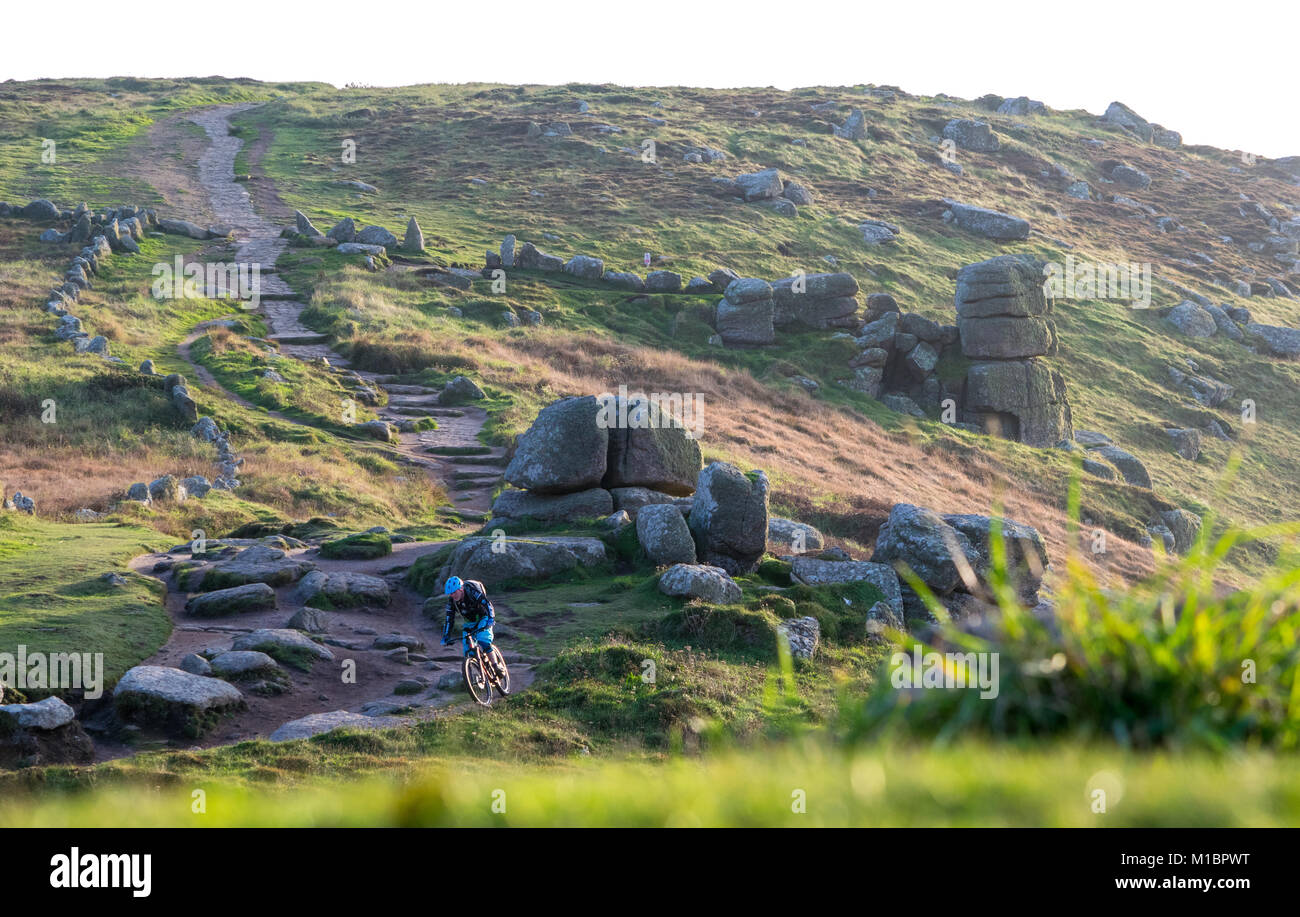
<point>350,635</point>
<point>258,241</point>
<point>468,478</point>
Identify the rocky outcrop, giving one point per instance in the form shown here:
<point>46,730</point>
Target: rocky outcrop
<point>746,315</point>
<point>1005,326</point>
<point>1120,114</point>
<point>815,301</point>
<point>976,136</point>
<point>952,555</point>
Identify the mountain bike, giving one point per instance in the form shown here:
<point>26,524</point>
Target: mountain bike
<point>483,672</point>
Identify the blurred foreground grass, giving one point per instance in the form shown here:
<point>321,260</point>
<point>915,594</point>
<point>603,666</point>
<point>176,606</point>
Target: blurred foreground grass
<point>965,785</point>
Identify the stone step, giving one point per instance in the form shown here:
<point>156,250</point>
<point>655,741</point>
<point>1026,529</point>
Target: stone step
<point>498,461</point>
<point>459,451</point>
<point>304,337</point>
<point>398,389</point>
<point>479,476</point>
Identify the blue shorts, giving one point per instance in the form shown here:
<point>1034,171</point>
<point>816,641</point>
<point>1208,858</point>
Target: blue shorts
<point>482,631</point>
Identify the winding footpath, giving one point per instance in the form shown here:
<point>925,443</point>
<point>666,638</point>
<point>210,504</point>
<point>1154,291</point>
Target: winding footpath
<point>322,693</point>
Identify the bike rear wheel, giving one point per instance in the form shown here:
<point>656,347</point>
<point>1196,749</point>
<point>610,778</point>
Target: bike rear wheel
<point>476,680</point>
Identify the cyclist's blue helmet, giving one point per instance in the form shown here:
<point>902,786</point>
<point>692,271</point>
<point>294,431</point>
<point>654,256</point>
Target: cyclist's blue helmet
<point>453,584</point>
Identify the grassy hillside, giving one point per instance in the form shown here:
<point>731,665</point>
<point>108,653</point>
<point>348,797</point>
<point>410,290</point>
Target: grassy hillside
<point>729,729</point>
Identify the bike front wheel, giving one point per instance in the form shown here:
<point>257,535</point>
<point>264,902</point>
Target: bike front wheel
<point>476,680</point>
<point>503,678</point>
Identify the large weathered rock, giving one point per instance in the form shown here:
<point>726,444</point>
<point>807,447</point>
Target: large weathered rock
<point>1024,400</point>
<point>648,447</point>
<point>41,209</point>
<point>1130,466</point>
<point>342,589</point>
<point>699,581</point>
<point>162,696</point>
<point>785,536</point>
<point>460,390</point>
<point>304,225</point>
<point>1005,337</point>
<point>1185,527</point>
<point>595,503</point>
<point>237,599</point>
<point>815,300</point>
<point>244,664</point>
<point>1023,551</point>
<point>759,186</point>
<point>414,240</point>
<point>42,733</point>
<point>747,324</point>
<point>631,499</point>
<point>976,136</point>
<point>376,235</point>
<point>1006,285</point>
<point>1274,340</point>
<point>566,448</point>
<point>854,126</point>
<point>282,644</point>
<point>585,266</point>
<point>45,715</point>
<point>814,572</point>
<point>1192,320</point>
<point>664,535</point>
<point>493,560</point>
<point>988,223</point>
<point>1121,114</point>
<point>729,517</point>
<point>934,550</point>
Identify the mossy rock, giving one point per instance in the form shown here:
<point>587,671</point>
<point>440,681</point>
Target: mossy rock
<point>361,546</point>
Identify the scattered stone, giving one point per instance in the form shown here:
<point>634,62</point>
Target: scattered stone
<point>235,600</point>
<point>800,636</point>
<point>711,584</point>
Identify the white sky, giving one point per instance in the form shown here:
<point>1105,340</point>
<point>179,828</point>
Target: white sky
<point>1223,74</point>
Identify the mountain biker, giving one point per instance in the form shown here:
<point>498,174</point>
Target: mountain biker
<point>469,598</point>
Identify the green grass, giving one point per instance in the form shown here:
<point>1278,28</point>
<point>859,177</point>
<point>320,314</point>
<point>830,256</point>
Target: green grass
<point>52,599</point>
<point>902,786</point>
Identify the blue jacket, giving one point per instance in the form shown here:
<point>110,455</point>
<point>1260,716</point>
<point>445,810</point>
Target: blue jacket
<point>473,606</point>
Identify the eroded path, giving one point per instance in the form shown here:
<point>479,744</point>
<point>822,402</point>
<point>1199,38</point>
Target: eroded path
<point>469,480</point>
<point>467,470</point>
